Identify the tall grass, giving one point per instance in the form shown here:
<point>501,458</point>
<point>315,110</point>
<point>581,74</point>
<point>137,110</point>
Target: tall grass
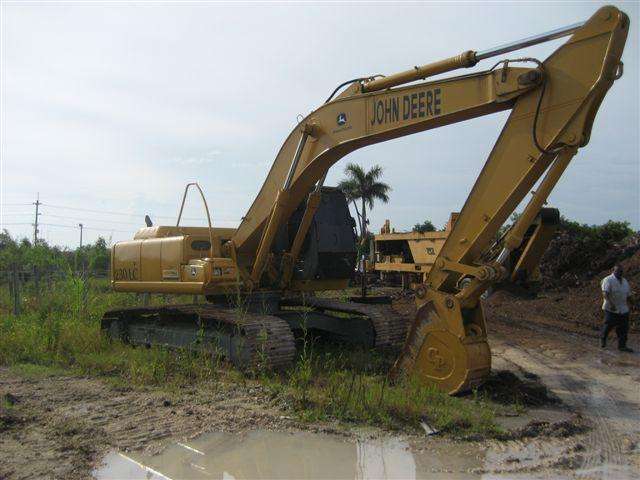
<point>60,328</point>
<point>352,385</point>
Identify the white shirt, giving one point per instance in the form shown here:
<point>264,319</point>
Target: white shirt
<point>618,291</point>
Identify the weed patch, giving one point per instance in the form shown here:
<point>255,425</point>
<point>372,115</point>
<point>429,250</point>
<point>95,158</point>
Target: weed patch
<point>353,387</point>
<point>60,331</point>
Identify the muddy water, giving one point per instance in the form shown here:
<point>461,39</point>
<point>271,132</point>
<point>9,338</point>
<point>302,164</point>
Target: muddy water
<point>280,455</point>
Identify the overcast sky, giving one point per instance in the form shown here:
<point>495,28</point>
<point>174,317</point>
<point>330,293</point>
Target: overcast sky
<point>114,107</point>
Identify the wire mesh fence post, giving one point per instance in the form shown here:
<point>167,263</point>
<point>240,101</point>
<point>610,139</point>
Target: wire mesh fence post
<point>15,286</point>
<point>85,291</point>
<point>36,281</point>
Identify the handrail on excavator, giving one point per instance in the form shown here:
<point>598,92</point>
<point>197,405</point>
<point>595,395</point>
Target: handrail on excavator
<point>206,207</point>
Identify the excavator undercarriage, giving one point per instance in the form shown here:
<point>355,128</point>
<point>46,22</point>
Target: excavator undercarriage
<point>249,338</point>
<point>297,237</point>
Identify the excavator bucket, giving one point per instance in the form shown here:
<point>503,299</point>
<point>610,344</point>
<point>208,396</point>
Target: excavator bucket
<point>444,351</point>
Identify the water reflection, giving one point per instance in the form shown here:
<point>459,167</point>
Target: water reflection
<point>279,455</point>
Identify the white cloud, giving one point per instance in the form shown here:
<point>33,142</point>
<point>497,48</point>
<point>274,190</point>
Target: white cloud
<point>204,159</point>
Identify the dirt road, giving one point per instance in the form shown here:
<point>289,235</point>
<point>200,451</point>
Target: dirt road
<point>602,385</point>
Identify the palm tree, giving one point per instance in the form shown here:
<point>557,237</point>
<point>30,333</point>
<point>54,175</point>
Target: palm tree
<point>364,187</point>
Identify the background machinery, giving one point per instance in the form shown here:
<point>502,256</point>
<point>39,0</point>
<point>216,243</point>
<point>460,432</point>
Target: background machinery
<point>405,258</point>
<point>298,237</point>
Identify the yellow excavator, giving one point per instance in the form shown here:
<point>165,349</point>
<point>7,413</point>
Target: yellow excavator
<point>298,237</point>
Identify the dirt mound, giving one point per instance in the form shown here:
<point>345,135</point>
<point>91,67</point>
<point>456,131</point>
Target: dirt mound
<point>507,388</point>
<point>573,258</point>
<point>563,429</point>
<point>575,307</point>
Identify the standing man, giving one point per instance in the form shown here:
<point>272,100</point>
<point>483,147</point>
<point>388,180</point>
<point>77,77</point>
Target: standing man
<point>616,291</point>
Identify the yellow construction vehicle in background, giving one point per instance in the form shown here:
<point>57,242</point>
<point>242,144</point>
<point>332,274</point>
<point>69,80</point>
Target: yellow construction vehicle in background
<point>405,258</point>
<point>298,236</point>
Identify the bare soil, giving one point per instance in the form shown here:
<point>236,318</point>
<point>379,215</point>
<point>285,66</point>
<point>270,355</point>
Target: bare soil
<point>556,337</point>
<point>583,403</point>
<point>600,386</point>
<point>60,426</point>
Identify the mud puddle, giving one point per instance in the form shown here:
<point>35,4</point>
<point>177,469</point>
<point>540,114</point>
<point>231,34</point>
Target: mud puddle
<point>279,455</point>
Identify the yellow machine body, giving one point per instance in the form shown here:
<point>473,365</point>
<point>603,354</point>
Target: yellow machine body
<point>553,104</point>
<point>167,259</point>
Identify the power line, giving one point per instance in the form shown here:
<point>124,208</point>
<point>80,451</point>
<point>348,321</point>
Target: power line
<point>93,211</point>
<point>93,220</point>
<point>59,225</point>
<point>81,223</point>
<point>86,228</point>
<point>136,215</point>
<point>106,212</point>
<point>70,218</point>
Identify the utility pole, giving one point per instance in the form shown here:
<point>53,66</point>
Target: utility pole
<point>75,262</point>
<point>35,225</point>
<point>83,302</point>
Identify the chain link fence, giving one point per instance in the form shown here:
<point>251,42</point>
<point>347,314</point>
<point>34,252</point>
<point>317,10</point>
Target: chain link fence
<point>22,289</point>
<point>17,284</point>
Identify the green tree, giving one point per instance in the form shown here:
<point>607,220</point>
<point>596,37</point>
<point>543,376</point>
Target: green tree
<point>27,257</point>
<point>425,226</point>
<point>9,251</point>
<point>366,187</point>
<point>99,256</point>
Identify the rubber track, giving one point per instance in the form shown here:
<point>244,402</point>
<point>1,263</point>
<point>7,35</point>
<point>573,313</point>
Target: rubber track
<point>390,326</point>
<point>277,347</point>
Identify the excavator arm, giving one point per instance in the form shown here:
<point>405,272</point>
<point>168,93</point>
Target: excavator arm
<point>352,122</point>
<point>553,105</point>
<point>358,119</point>
<point>447,343</point>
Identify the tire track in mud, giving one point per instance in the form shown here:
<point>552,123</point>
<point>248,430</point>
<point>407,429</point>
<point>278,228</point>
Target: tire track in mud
<point>591,394</point>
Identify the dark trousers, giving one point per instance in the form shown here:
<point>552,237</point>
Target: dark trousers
<point>619,321</point>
